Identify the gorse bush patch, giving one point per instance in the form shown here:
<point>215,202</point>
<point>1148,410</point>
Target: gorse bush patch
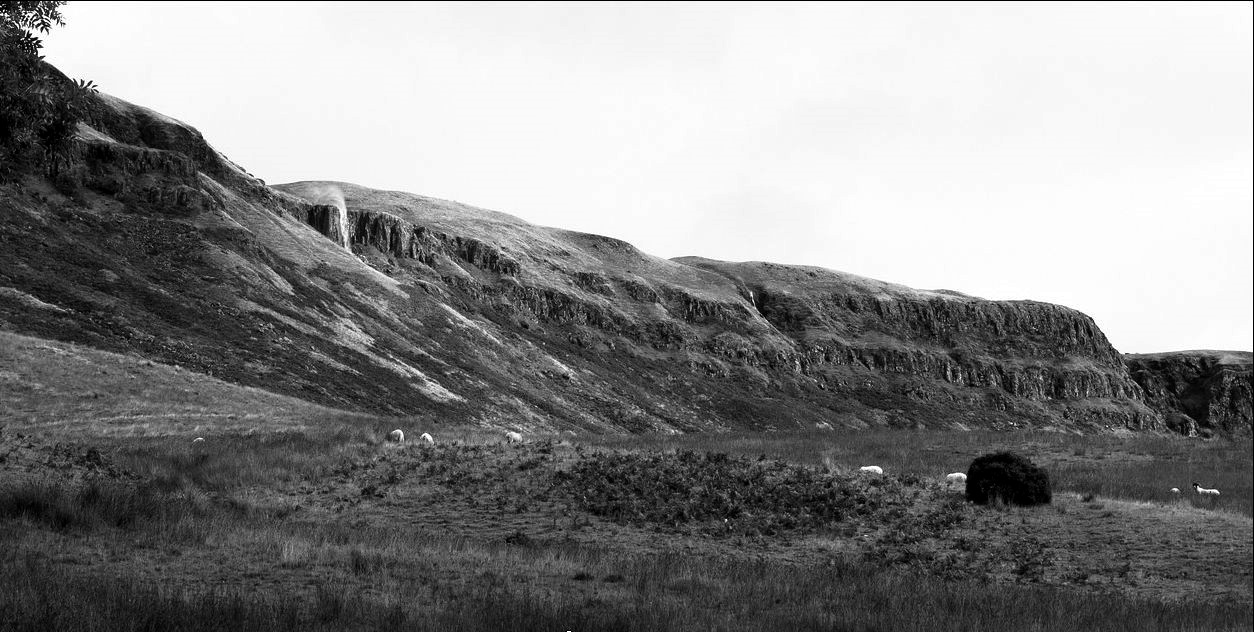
<point>722,495</point>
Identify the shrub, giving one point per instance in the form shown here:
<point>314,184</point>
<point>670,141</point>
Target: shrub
<point>1008,478</point>
<point>719,495</point>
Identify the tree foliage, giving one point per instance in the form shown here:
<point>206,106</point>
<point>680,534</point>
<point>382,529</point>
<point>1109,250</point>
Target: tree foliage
<point>39,108</point>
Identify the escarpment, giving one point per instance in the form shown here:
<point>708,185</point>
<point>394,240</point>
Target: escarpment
<point>1198,392</point>
<point>1004,328</point>
<point>399,238</point>
<point>154,243</point>
<point>803,326</point>
<point>325,218</point>
<point>159,179</point>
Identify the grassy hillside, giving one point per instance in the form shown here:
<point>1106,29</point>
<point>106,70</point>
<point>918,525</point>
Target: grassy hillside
<point>66,390</point>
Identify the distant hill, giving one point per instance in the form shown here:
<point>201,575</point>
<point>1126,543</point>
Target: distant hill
<point>156,245</point>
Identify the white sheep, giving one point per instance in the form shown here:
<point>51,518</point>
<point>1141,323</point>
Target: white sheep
<point>428,438</point>
<point>513,437</point>
<point>397,435</point>
<point>871,469</point>
<point>956,477</point>
<point>1175,490</point>
<point>1202,491</point>
<point>198,440</point>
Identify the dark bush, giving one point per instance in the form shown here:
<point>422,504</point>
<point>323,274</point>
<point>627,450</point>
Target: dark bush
<point>1008,478</point>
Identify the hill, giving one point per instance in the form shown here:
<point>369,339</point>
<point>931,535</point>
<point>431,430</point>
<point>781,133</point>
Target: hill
<point>155,244</point>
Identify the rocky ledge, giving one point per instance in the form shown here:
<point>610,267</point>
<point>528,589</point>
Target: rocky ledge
<point>1198,392</point>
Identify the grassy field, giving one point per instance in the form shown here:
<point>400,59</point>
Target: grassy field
<point>667,593</point>
<point>334,529</point>
<point>1132,467</point>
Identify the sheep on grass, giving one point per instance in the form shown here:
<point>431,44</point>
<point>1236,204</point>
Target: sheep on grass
<point>1202,491</point>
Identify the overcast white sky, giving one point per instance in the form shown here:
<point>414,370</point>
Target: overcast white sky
<point>1094,155</point>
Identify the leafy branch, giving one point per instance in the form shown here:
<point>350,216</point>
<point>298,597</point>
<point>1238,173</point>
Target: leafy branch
<point>39,109</point>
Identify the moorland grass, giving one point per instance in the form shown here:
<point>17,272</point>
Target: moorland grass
<point>670,591</point>
<point>719,495</point>
<point>227,462</point>
<point>1138,467</point>
<point>92,504</point>
<point>390,577</point>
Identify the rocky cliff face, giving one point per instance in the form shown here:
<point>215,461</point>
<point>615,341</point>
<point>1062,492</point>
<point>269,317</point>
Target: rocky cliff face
<point>866,352</point>
<point>1198,392</point>
<point>156,244</point>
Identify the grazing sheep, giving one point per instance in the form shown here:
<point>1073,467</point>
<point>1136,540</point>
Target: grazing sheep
<point>198,440</point>
<point>871,469</point>
<point>956,477</point>
<point>428,438</point>
<point>1175,490</point>
<point>513,437</point>
<point>1202,491</point>
<point>397,435</point>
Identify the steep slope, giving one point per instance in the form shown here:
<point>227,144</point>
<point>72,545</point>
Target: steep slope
<point>396,303</point>
<point>1198,391</point>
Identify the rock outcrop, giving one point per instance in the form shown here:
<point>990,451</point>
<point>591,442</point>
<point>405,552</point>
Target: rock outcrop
<point>1198,392</point>
<point>396,237</point>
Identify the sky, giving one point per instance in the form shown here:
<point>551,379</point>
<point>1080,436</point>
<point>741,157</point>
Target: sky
<point>1099,156</point>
